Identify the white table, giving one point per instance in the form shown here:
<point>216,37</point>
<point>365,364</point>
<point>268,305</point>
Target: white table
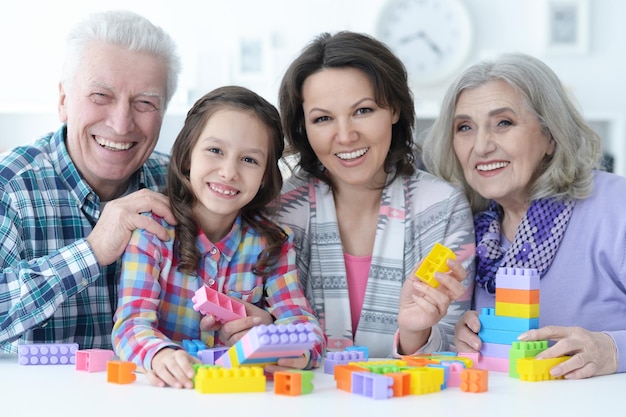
<point>60,390</point>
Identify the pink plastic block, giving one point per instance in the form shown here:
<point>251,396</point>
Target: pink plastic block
<point>454,376</point>
<point>224,308</point>
<point>47,354</point>
<point>93,360</point>
<point>492,364</point>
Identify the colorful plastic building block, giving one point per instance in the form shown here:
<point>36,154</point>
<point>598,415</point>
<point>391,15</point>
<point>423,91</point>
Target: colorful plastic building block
<point>343,376</point>
<point>425,380</point>
<point>224,308</point>
<point>265,344</point>
<point>524,349</point>
<point>363,349</point>
<point>434,262</point>
<point>209,356</point>
<point>194,346</point>
<point>47,354</point>
<point>221,380</point>
<point>474,380</point>
<point>401,383</point>
<point>372,385</point>
<point>93,360</point>
<point>531,369</point>
<point>121,372</point>
<point>293,382</point>
<point>341,358</point>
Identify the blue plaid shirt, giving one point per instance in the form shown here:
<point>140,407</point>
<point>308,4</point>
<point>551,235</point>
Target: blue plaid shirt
<point>52,289</point>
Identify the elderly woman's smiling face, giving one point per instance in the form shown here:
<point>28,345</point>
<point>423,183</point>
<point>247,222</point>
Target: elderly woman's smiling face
<point>499,142</point>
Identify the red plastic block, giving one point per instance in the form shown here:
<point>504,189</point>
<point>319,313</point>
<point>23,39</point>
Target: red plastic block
<point>93,360</point>
<point>121,372</point>
<point>47,354</point>
<point>474,380</point>
<point>224,308</point>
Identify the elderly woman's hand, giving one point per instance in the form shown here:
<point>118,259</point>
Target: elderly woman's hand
<point>592,353</point>
<point>422,306</point>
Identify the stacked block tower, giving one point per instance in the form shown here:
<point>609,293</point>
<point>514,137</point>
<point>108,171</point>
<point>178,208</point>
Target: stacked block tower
<point>516,311</point>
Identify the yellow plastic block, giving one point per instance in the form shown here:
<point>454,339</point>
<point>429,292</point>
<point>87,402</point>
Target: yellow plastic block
<point>223,380</point>
<point>425,380</point>
<point>435,261</point>
<point>526,311</point>
<point>531,369</point>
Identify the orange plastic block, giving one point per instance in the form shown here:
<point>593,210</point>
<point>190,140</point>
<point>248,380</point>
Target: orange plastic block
<point>401,383</point>
<point>222,380</point>
<point>527,311</point>
<point>435,261</point>
<point>293,382</point>
<point>532,369</point>
<point>343,376</point>
<point>508,295</point>
<point>121,372</point>
<point>474,380</point>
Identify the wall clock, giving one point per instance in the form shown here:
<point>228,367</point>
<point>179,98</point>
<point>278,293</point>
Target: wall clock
<point>432,37</point>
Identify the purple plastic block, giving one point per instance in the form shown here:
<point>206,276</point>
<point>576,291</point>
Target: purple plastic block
<point>342,358</point>
<point>224,308</point>
<point>93,360</point>
<point>517,279</point>
<point>47,354</point>
<point>372,385</point>
<point>495,350</point>
<point>209,356</point>
<point>268,343</point>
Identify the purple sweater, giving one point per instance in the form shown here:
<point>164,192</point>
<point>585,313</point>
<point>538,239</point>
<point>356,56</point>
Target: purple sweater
<point>586,283</point>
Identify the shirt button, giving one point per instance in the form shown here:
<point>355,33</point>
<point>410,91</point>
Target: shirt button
<point>213,251</point>
<point>211,281</point>
<point>84,282</point>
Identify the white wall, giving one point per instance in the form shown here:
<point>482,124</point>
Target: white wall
<point>209,33</point>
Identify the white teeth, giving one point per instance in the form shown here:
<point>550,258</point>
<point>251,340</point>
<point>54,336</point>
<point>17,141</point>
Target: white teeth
<point>113,145</point>
<point>492,166</point>
<point>222,191</point>
<point>352,155</point>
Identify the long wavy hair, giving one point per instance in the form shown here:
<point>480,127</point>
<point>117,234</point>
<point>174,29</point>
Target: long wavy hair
<point>388,76</point>
<point>182,198</point>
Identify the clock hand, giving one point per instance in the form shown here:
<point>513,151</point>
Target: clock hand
<point>421,35</point>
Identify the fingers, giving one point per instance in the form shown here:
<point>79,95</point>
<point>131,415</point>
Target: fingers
<point>208,323</point>
<point>173,368</point>
<point>231,332</point>
<point>466,333</point>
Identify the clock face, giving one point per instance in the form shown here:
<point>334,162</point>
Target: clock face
<point>432,37</point>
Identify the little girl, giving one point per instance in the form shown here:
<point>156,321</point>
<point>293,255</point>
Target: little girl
<point>223,173</point>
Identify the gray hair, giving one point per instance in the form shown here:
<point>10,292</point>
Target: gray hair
<point>125,29</point>
<point>568,174</point>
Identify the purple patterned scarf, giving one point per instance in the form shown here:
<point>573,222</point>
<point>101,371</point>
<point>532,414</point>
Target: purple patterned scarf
<point>535,244</point>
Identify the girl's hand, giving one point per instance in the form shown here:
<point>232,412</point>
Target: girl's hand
<point>172,367</point>
<point>230,333</point>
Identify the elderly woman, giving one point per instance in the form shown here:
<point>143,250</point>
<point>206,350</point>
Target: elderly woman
<point>527,161</point>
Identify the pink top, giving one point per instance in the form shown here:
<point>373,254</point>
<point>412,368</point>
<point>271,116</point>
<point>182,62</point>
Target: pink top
<point>357,271</point>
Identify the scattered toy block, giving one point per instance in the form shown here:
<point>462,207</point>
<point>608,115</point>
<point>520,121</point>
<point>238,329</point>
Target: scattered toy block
<point>121,372</point>
<point>524,349</point>
<point>341,358</point>
<point>194,346</point>
<point>47,354</point>
<point>221,380</point>
<point>474,380</point>
<point>209,356</point>
<point>93,360</point>
<point>372,385</point>
<point>532,369</point>
<point>293,382</point>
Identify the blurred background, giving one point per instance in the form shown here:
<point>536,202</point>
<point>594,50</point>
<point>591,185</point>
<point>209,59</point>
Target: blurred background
<point>251,42</point>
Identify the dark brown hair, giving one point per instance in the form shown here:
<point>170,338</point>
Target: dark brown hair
<point>182,198</point>
<point>391,90</point>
